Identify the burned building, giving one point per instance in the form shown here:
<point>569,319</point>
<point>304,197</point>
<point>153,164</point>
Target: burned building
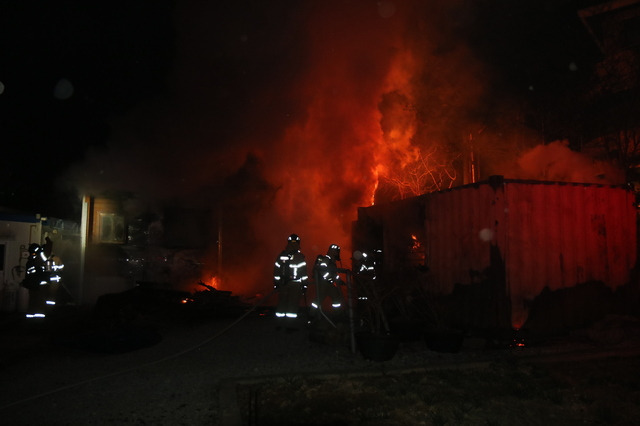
<point>499,244</point>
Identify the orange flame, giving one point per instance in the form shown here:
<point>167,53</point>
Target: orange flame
<point>416,244</point>
<point>213,282</point>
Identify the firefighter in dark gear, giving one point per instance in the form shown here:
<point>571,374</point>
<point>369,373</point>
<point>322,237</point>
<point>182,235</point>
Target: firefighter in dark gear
<point>367,263</point>
<point>290,278</point>
<point>42,279</point>
<point>366,267</point>
<point>36,268</point>
<point>328,282</point>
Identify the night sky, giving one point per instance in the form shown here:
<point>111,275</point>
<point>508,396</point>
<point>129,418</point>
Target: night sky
<point>68,69</point>
<point>287,109</point>
<point>71,70</point>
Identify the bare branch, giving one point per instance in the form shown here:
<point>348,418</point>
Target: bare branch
<point>422,175</point>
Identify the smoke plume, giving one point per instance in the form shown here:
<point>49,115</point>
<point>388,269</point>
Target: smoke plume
<point>283,118</point>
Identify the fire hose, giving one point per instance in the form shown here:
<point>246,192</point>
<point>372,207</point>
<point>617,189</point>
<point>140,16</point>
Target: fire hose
<point>347,273</point>
<point>319,300</point>
<point>128,370</point>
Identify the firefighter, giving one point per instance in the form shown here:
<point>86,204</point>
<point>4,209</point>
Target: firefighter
<point>366,267</point>
<point>36,268</point>
<point>36,278</point>
<point>47,247</point>
<point>42,279</point>
<point>367,264</point>
<point>290,279</point>
<point>328,282</point>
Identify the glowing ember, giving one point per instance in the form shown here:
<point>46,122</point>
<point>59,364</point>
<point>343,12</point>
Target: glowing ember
<point>212,282</point>
<point>518,339</point>
<point>416,244</point>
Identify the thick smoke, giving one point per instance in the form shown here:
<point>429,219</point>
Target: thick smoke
<point>557,162</point>
<point>274,120</point>
<point>282,118</point>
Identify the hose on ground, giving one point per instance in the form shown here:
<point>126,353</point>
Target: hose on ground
<point>128,370</point>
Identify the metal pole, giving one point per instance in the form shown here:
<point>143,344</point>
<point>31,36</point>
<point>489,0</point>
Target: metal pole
<point>347,272</point>
<point>219,247</point>
<point>84,236</point>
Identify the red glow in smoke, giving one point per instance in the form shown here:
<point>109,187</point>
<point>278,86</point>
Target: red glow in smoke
<point>305,147</point>
<point>338,148</point>
<point>340,100</point>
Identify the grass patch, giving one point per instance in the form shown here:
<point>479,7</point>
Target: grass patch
<point>504,393</point>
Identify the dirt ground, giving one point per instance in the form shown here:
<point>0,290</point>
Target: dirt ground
<point>232,372</point>
<point>588,392</point>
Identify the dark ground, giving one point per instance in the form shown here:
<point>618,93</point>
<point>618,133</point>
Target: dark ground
<point>196,371</point>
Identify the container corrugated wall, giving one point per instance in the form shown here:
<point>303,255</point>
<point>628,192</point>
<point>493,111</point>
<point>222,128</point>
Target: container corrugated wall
<point>456,223</point>
<point>560,235</point>
<point>548,234</point>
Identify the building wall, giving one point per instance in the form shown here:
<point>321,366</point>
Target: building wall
<point>103,254</point>
<point>107,222</point>
<point>16,233</point>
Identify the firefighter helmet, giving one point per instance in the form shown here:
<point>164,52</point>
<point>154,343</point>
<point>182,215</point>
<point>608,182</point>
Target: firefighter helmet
<point>334,251</point>
<point>34,248</point>
<point>294,238</point>
<point>293,243</point>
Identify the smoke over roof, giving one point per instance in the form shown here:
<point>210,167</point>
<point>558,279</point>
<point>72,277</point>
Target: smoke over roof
<point>284,116</point>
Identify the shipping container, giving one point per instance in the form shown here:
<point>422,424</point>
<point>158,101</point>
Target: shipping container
<point>521,237</point>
